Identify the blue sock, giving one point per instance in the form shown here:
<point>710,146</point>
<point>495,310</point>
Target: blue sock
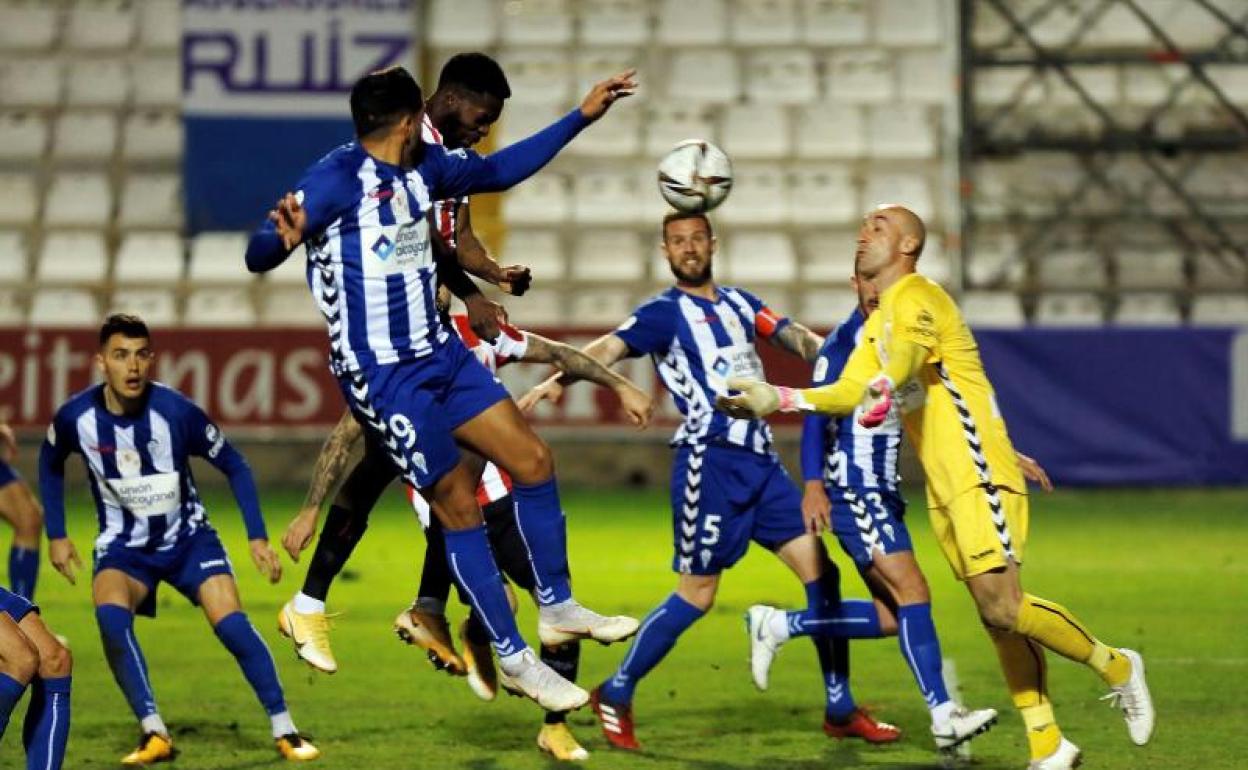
<point>472,564</point>
<point>539,517</point>
<point>916,633</point>
<point>243,641</point>
<point>46,730</point>
<point>23,570</point>
<point>826,616</point>
<point>121,648</point>
<point>657,635</point>
<point>834,662</point>
<point>10,693</point>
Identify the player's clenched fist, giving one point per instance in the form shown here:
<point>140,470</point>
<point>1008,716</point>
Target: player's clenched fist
<point>604,94</point>
<point>265,559</point>
<point>636,404</point>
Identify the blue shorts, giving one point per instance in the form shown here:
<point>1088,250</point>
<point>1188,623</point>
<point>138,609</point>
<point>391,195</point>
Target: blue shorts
<point>869,520</point>
<point>722,498</point>
<point>185,566</point>
<point>410,408</point>
<point>16,607</point>
<point>7,474</point>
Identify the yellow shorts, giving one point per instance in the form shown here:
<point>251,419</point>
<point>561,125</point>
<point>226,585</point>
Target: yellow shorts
<point>980,532</point>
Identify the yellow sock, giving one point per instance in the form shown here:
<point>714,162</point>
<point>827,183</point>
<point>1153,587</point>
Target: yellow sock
<point>1043,735</point>
<point>1112,665</point>
<point>1022,662</point>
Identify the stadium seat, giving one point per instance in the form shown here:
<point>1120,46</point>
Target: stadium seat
<point>905,131</point>
<point>909,190</point>
<point>537,76</point>
<point>99,25</point>
<point>151,136</point>
<point>1064,309</point>
<point>827,256</point>
<point>97,83</point>
<point>1149,269</point>
<point>14,259</point>
<point>30,82</point>
<point>1071,268</point>
<point>926,77</point>
<point>157,81</point>
<point>1190,26</point>
<point>825,308</point>
<point>608,255</point>
<point>540,250</point>
<point>652,207</point>
<point>755,131</point>
<point>759,196</point>
<point>158,307</point>
<point>995,86</point>
<point>21,204</point>
<point>934,263</point>
<point>292,272</point>
<point>537,22</point>
<point>619,137</point>
<point>605,198</point>
<point>58,308</point>
<point>599,306</point>
<point>78,199</point>
<point>592,65</point>
<point>759,258</point>
<point>834,22</point>
<point>827,130</point>
<point>516,124</point>
<point>72,258</point>
<point>1101,82</point>
<point>1147,309</point>
<point>1220,310</point>
<point>861,76</point>
<point>992,187</point>
<point>994,261</point>
<point>149,258</point>
<point>703,75</point>
<point>542,200</point>
<point>764,22</point>
<point>152,200</point>
<point>218,258</point>
<point>821,195</point>
<point>537,308</point>
<point>692,22</point>
<point>992,310</point>
<point>781,76</point>
<point>220,307</point>
<point>904,23</point>
<point>84,136</point>
<point>290,306</point>
<point>1213,273</point>
<point>29,26</point>
<point>669,123</point>
<point>160,25</point>
<point>1118,27</point>
<point>1058,25</point>
<point>464,24</point>
<point>23,136</point>
<point>12,307</point>
<point>1149,86</point>
<point>614,22</point>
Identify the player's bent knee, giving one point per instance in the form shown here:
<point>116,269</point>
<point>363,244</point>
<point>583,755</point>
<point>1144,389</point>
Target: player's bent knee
<point>21,660</point>
<point>56,662</point>
<point>998,611</point>
<point>535,464</point>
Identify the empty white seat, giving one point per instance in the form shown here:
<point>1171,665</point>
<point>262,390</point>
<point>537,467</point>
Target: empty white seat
<point>651,208</point>
<point>901,131</point>
<point>291,306</point>
<point>84,136</point>
<point>218,258</point>
<point>537,76</point>
<point>996,86</point>
<point>23,136</point>
<point>608,255</point>
<point>12,307</point>
<point>538,307</point>
<point>1069,309</point>
<point>827,130</point>
<point>157,307</point>
<point>692,22</point>
<point>909,190</point>
<point>520,123</point>
<point>537,22</point>
<point>995,260</point>
<point>861,76</point>
<point>1150,269</point>
<point>827,256</point>
<point>157,81</point>
<point>619,137</point>
<point>97,83</point>
<point>781,76</point>
<point>1100,81</point>
<point>1119,27</point>
<point>1220,310</point>
<point>78,199</point>
<point>1188,24</point>
<point>703,75</point>
<point>1214,273</point>
<point>669,123</point>
<point>834,22</point>
<point>759,197</point>
<point>220,307</point>
<point>593,65</point>
<point>1147,309</point>
<point>992,310</point>
<point>64,308</point>
<point>599,306</point>
<point>614,22</point>
<point>13,257</point>
<point>764,22</point>
<point>826,307</point>
<point>160,25</point>
<point>759,257</point>
<point>463,23</point>
<point>99,25</point>
<point>540,250</point>
<point>21,204</point>
<point>28,26</point>
<point>1072,268</point>
<point>755,131</point>
<point>909,22</point>
<point>605,198</point>
<point>822,195</point>
<point>292,272</point>
<point>149,258</point>
<point>926,77</point>
<point>30,82</point>
<point>1059,25</point>
<point>72,258</point>
<point>152,136</point>
<point>151,200</point>
<point>933,263</point>
<point>541,200</point>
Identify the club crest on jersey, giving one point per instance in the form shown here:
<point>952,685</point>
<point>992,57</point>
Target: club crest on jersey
<point>721,366</point>
<point>383,247</point>
<point>128,461</point>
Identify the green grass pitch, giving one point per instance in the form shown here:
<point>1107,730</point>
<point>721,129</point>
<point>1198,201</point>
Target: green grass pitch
<point>1161,571</point>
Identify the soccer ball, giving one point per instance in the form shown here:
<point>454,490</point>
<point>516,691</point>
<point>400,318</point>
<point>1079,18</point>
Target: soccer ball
<point>695,176</point>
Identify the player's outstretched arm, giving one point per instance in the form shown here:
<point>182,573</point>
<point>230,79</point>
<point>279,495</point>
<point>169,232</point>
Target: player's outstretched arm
<point>606,350</point>
<point>799,340</point>
<point>328,470</point>
<point>581,366</point>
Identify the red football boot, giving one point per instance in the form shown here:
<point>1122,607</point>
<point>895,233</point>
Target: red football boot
<point>616,722</point>
<point>861,725</point>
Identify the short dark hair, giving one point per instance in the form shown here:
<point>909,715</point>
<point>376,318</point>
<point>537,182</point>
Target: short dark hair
<point>380,99</point>
<point>124,324</point>
<point>678,216</point>
<point>475,72</point>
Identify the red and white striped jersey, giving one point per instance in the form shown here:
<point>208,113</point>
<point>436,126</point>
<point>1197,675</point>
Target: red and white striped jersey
<point>510,346</point>
<point>444,211</point>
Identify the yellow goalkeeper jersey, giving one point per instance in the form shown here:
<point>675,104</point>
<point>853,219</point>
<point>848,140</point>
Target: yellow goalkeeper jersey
<point>949,409</point>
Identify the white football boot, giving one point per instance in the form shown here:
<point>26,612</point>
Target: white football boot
<point>961,726</point>
<point>764,644</point>
<point>533,678</point>
<point>567,621</point>
<point>1136,702</point>
<point>1066,756</point>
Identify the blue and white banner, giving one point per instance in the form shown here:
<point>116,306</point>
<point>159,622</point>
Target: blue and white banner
<point>265,93</point>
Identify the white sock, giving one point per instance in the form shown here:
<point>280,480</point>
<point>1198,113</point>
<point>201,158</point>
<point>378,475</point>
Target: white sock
<point>941,712</point>
<point>778,625</point>
<point>154,724</point>
<point>510,664</point>
<point>282,724</point>
<point>306,605</point>
<point>557,610</point>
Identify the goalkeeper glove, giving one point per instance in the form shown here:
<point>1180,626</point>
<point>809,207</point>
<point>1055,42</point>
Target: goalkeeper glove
<point>758,399</point>
<point>878,401</point>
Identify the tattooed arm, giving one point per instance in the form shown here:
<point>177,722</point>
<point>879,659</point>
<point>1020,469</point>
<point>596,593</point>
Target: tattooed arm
<point>326,474</point>
<point>798,340</point>
<point>578,365</point>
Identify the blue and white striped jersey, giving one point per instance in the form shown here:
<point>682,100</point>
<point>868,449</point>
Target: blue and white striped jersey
<point>839,450</point>
<point>696,345</point>
<point>139,469</point>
